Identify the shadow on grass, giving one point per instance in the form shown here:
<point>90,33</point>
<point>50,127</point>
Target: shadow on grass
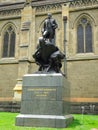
<point>75,123</point>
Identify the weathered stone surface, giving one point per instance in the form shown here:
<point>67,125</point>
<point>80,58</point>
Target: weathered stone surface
<point>43,120</point>
<point>50,80</point>
<point>42,107</point>
<point>79,66</point>
<point>43,101</point>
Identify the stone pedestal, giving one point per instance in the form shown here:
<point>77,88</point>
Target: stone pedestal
<point>43,102</point>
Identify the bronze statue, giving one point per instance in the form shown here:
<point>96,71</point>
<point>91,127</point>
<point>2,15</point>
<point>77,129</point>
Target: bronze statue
<point>49,26</point>
<point>47,55</point>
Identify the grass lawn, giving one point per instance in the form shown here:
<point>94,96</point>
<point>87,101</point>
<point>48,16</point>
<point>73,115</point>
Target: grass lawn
<point>85,122</point>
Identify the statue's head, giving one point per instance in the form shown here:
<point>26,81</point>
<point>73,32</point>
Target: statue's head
<point>49,15</point>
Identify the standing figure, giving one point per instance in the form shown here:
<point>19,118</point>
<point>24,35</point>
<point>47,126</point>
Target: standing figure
<point>48,30</point>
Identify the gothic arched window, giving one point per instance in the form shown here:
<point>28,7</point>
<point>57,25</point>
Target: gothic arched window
<point>9,42</point>
<point>84,36</point>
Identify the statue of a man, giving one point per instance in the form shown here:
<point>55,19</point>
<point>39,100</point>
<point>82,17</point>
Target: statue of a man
<point>48,30</point>
<point>47,55</point>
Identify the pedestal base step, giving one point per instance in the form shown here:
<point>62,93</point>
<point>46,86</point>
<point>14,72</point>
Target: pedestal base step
<point>43,121</point>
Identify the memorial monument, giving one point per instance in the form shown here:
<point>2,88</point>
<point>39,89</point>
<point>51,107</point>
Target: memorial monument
<point>45,95</point>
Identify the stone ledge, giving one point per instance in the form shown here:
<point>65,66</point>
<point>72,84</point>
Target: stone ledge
<point>44,120</point>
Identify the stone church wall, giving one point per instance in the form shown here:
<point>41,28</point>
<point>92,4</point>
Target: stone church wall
<point>8,78</point>
<point>82,68</point>
<point>27,17</point>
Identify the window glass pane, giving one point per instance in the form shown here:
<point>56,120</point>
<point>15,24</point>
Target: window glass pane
<point>80,39</point>
<point>5,45</point>
<point>12,45</point>
<point>88,38</point>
